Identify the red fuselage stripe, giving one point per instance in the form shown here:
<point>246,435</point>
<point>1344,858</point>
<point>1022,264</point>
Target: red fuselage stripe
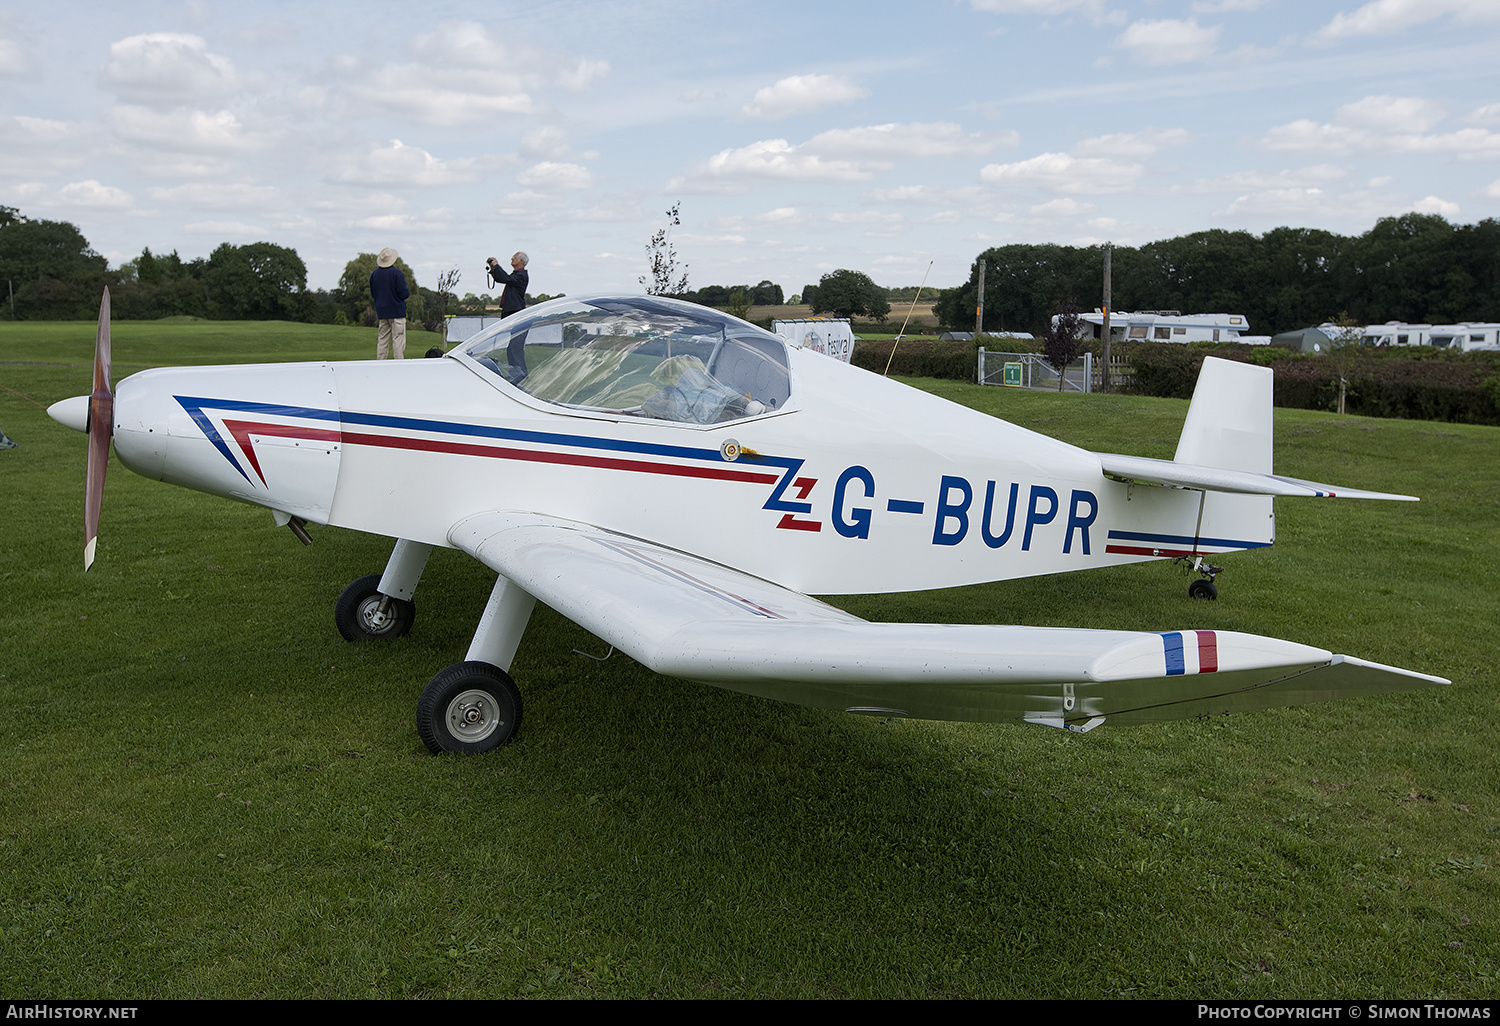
<point>569,459</point>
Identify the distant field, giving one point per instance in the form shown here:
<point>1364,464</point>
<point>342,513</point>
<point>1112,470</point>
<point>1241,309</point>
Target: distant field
<point>922,314</point>
<point>206,793</point>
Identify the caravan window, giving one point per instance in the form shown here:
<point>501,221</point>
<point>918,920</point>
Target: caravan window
<point>639,356</point>
<point>1164,333</point>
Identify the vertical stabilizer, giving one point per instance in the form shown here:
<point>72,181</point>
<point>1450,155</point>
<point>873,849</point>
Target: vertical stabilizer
<point>1229,422</point>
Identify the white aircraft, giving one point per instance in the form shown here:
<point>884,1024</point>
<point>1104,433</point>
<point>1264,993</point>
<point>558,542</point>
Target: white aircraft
<point>678,482</point>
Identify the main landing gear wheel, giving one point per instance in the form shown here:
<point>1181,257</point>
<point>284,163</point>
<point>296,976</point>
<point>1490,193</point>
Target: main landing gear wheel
<point>363,614</point>
<point>468,708</point>
<point>1201,589</point>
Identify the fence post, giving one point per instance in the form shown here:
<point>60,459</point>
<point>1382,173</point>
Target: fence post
<point>979,371</point>
<point>1088,372</point>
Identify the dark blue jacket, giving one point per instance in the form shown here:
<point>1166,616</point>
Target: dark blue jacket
<point>388,289</point>
<point>513,299</point>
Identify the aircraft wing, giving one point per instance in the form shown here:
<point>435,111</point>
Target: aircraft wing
<point>1214,479</point>
<point>686,617</point>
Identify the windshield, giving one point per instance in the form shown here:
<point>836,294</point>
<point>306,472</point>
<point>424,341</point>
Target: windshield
<point>640,356</point>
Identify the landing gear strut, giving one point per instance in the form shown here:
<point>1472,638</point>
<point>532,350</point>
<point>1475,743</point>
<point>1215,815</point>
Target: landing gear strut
<point>379,606</point>
<point>474,706</point>
<point>1203,588</point>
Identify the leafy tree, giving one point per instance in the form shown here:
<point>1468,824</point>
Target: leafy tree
<point>1060,342</point>
<point>739,303</point>
<point>53,271</point>
<point>45,249</point>
<point>846,293</point>
<point>666,278</point>
<point>767,293</point>
<point>354,288</point>
<point>261,281</point>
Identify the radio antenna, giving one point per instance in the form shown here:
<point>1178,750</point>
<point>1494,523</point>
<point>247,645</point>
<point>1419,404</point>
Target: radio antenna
<point>904,323</point>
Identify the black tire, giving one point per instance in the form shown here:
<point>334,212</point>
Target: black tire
<point>468,708</point>
<point>1201,589</point>
<point>357,613</point>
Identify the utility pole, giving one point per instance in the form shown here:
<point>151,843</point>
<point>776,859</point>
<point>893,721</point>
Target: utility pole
<point>1109,252</point>
<point>979,310</point>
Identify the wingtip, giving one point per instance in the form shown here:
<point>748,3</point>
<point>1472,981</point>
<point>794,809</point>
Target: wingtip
<point>88,553</point>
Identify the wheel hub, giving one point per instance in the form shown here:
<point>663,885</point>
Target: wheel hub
<point>374,618</point>
<point>473,716</point>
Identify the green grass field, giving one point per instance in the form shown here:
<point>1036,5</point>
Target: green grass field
<point>204,792</point>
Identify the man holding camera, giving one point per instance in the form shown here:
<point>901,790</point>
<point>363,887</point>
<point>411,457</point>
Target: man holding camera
<point>513,299</point>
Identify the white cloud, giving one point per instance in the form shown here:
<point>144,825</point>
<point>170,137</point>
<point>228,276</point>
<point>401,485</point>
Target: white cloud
<point>12,60</point>
<point>402,165</point>
<point>91,193</point>
<point>37,146</point>
<point>1433,205</point>
<point>1060,172</point>
<point>910,194</point>
<point>464,74</point>
<point>1300,178</point>
<point>897,141</point>
<point>167,69</point>
<point>801,94</point>
<point>1133,144</point>
<point>1169,41</point>
<point>548,141</point>
<point>1382,125</point>
<point>1062,207</point>
<point>217,195</point>
<point>229,231</point>
<point>1278,202</point>
<point>1038,7</point>
<point>1489,114</point>
<point>1223,6</point>
<point>551,176</point>
<point>1390,113</point>
<point>781,216</point>
<point>583,74</point>
<point>774,159</point>
<point>1386,17</point>
<point>183,129</point>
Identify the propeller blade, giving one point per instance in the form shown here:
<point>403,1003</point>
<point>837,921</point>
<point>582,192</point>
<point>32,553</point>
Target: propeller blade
<point>101,427</point>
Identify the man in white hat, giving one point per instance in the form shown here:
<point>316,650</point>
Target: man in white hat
<point>388,290</point>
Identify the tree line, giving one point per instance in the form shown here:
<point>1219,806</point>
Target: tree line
<point>50,272</point>
<point>1416,268</point>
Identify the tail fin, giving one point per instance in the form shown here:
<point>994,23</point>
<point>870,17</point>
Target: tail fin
<point>1229,422</point>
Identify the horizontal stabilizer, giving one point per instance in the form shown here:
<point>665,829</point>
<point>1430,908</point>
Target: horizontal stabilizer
<point>1186,475</point>
<point>687,617</point>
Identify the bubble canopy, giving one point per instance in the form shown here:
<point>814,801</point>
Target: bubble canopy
<point>638,356</point>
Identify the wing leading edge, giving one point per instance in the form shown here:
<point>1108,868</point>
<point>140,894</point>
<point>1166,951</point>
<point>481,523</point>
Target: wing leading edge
<point>686,617</point>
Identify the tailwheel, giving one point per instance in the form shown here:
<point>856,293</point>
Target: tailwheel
<point>362,613</point>
<point>468,708</point>
<point>1202,589</point>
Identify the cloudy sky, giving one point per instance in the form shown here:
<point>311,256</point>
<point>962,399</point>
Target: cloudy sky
<point>798,137</point>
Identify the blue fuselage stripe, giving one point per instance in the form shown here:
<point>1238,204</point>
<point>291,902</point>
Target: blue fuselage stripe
<point>1186,539</point>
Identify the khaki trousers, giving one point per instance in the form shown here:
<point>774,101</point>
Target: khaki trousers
<point>390,338</point>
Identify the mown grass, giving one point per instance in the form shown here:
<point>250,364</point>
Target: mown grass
<point>204,792</point>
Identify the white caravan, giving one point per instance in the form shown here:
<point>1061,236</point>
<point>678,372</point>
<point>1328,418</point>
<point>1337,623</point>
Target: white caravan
<point>1170,326</point>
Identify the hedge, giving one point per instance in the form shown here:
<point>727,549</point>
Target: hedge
<point>1416,384</point>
